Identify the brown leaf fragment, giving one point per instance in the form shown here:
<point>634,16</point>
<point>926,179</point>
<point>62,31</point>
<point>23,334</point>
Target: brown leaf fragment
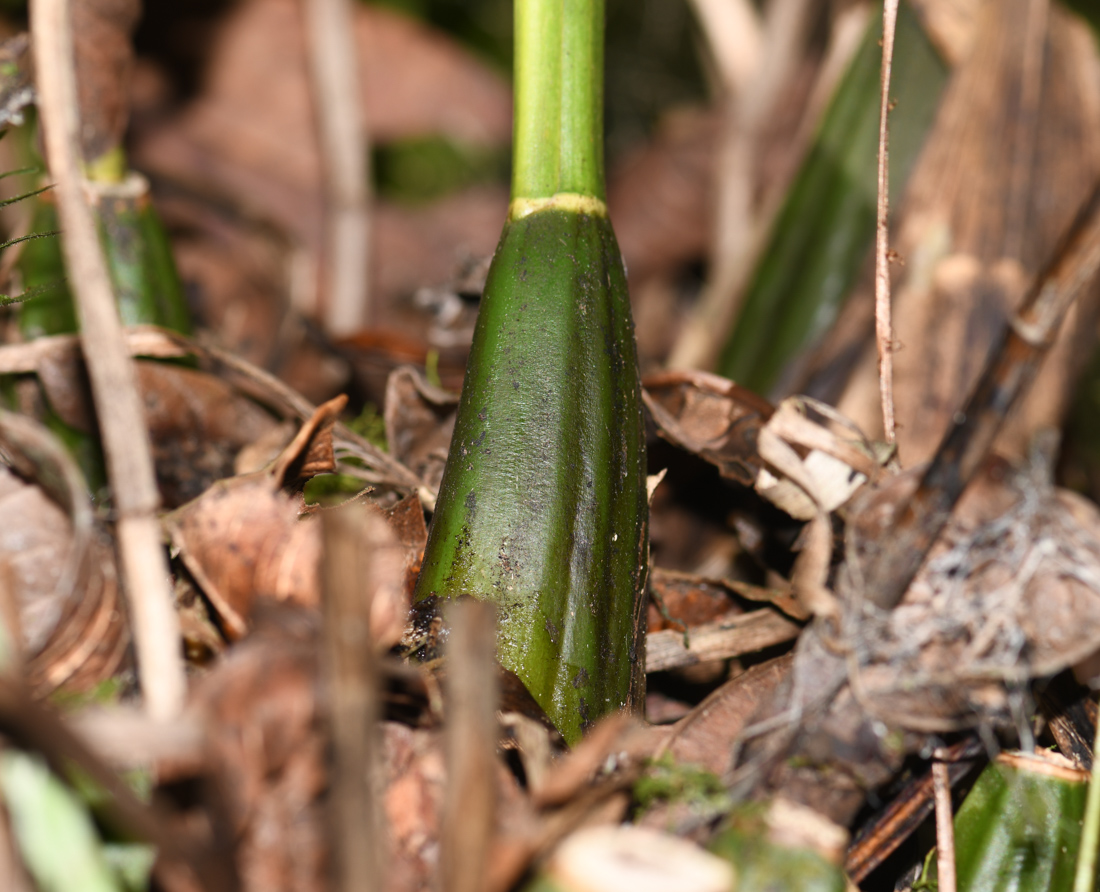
<point>420,420</point>
<point>242,539</point>
<point>198,425</point>
<point>64,380</point>
<point>245,538</point>
<point>737,635</point>
<point>310,452</point>
<point>267,753</point>
<point>679,600</point>
<point>406,519</point>
<point>711,417</point>
<point>707,734</point>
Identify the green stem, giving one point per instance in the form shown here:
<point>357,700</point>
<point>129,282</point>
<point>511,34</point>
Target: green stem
<point>1090,833</point>
<point>558,99</point>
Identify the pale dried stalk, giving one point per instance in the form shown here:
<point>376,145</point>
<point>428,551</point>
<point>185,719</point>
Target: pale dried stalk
<point>353,697</point>
<point>884,327</point>
<point>335,80</point>
<point>733,34</point>
<point>469,810</point>
<point>721,640</point>
<point>945,826</point>
<point>118,406</point>
<point>739,230</point>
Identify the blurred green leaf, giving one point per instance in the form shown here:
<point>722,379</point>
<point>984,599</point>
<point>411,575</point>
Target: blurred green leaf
<point>1018,829</point>
<point>827,224</point>
<point>419,170</point>
<point>55,833</point>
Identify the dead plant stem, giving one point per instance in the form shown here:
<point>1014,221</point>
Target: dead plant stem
<point>469,809</point>
<point>945,826</point>
<point>739,229</point>
<point>335,80</point>
<point>884,328</point>
<point>353,697</point>
<point>1025,136</point>
<point>110,371</point>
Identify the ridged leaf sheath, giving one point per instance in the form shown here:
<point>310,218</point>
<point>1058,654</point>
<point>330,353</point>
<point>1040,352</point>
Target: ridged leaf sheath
<point>543,506</point>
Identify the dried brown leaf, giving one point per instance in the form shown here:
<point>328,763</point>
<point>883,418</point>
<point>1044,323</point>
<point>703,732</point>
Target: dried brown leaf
<point>420,419</point>
<point>707,734</point>
<point>711,417</point>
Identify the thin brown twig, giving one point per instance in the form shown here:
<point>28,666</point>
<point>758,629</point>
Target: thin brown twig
<point>110,371</point>
<point>1005,379</point>
<point>884,327</point>
<point>945,826</point>
<point>335,81</point>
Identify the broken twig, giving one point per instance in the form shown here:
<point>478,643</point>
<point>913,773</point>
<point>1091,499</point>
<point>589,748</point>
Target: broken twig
<point>884,329</point>
<point>118,406</point>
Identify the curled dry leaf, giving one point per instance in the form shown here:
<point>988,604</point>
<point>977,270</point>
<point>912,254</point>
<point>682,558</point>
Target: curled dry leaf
<point>59,590</point>
<point>711,417</point>
<point>420,420</point>
<point>706,735</point>
<point>245,538</point>
<point>241,539</point>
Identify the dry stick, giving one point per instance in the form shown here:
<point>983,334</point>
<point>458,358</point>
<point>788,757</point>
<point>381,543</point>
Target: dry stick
<point>882,837</point>
<point>733,32</point>
<point>469,810</point>
<point>1004,381</point>
<point>335,80</point>
<point>353,696</point>
<point>884,327</point>
<point>110,371</point>
<point>945,826</point>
